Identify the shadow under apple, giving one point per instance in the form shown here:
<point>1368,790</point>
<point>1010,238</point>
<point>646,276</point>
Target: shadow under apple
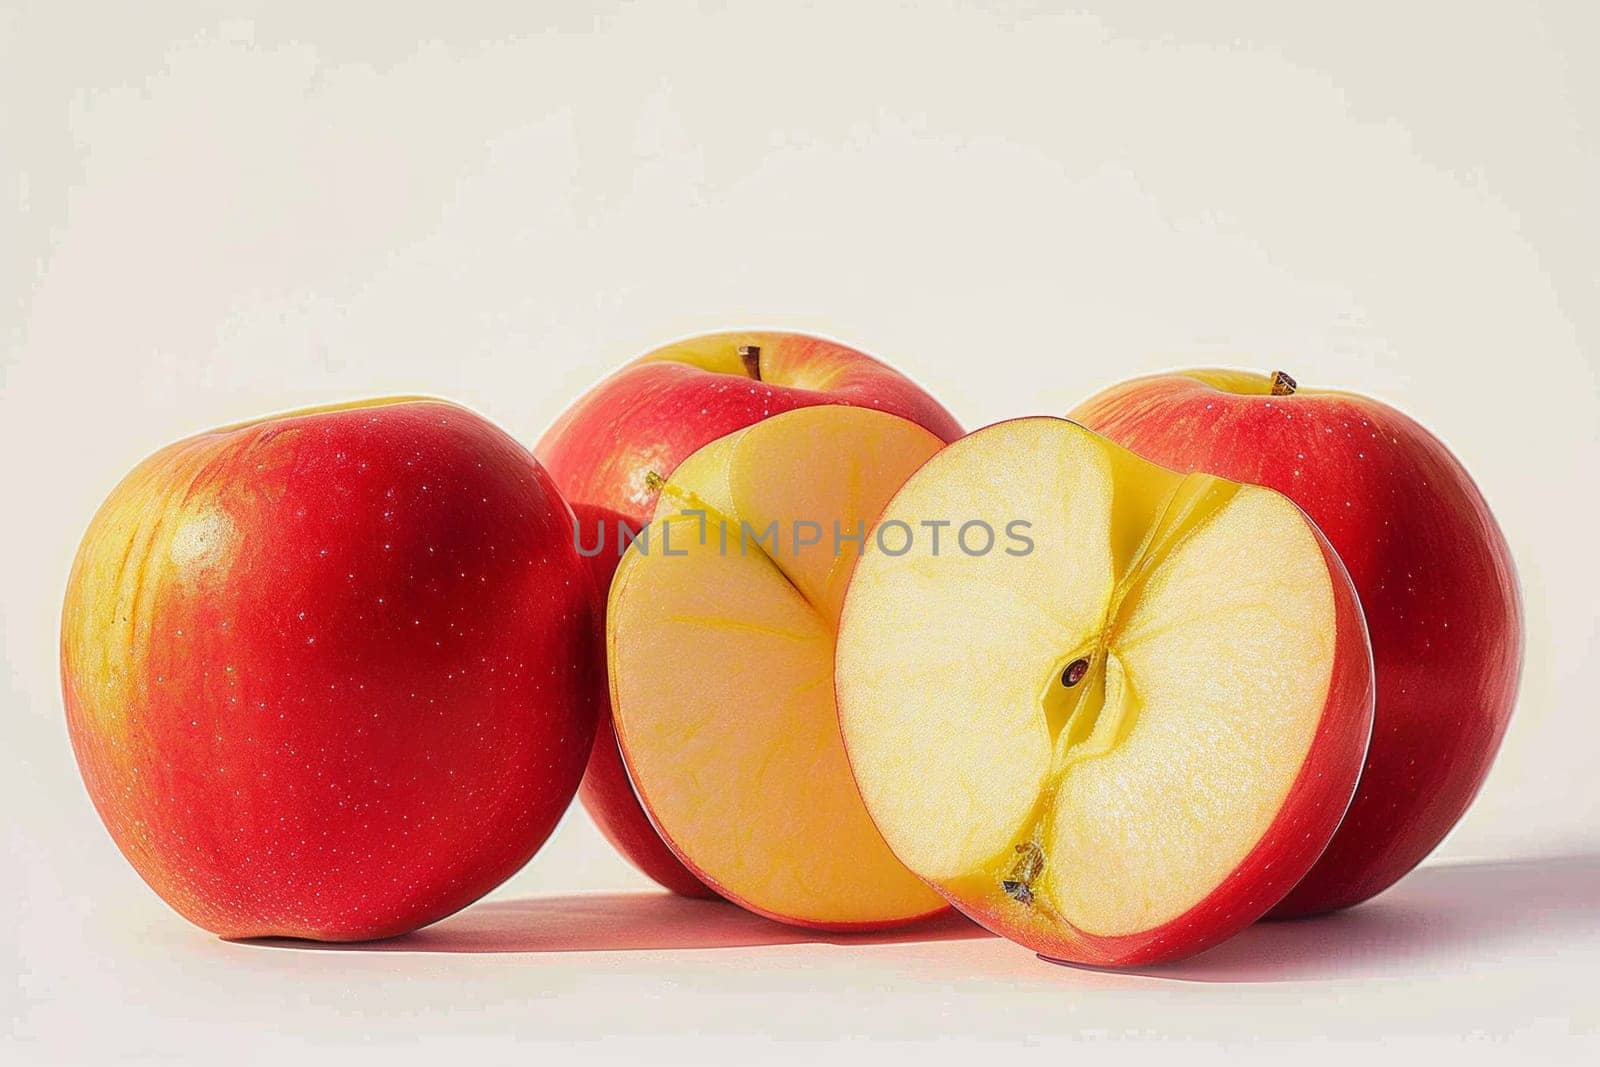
<point>1453,915</point>
<point>627,922</point>
<point>1437,917</point>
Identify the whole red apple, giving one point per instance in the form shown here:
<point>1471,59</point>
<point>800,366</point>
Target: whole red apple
<point>649,417</point>
<point>333,674</point>
<point>1430,565</point>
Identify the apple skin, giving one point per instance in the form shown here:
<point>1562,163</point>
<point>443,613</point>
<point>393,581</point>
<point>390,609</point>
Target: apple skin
<point>1430,564</point>
<point>650,416</point>
<point>333,674</point>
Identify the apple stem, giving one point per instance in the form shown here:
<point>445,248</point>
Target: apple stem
<point>653,481</point>
<point>1282,384</point>
<point>750,356</point>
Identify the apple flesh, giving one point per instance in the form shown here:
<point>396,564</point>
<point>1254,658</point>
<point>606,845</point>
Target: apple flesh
<point>332,674</point>
<point>1127,743</point>
<point>649,417</point>
<point>720,644</point>
<point>1431,566</point>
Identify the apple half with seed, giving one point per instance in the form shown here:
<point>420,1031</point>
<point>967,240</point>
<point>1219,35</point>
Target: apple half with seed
<point>720,645</point>
<point>1125,741</point>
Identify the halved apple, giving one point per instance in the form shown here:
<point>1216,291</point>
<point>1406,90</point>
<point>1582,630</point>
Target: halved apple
<point>1126,739</point>
<point>720,644</point>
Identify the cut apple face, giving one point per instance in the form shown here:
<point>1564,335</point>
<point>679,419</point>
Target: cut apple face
<point>720,633</point>
<point>1116,742</point>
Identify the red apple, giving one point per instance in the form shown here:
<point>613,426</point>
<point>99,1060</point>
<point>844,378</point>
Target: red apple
<point>649,417</point>
<point>1431,567</point>
<point>333,674</point>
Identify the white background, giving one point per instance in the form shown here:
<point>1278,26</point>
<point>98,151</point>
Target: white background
<point>211,214</point>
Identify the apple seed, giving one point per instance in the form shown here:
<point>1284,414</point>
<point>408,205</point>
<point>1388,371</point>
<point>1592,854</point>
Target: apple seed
<point>1019,886</point>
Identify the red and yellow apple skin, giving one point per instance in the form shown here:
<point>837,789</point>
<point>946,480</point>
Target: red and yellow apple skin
<point>1431,567</point>
<point>332,674</point>
<point>649,417</point>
